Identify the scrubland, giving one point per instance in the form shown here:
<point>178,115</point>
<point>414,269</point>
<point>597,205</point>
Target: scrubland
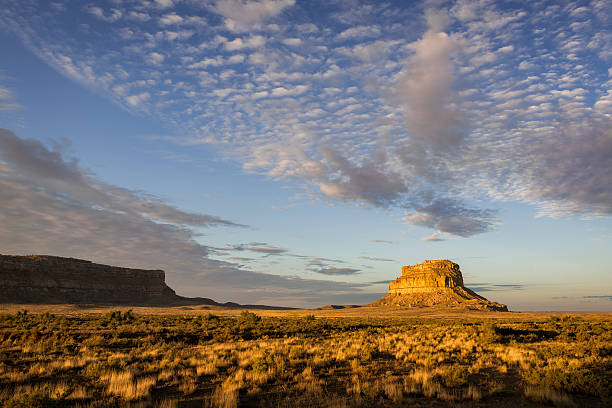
<point>122,358</point>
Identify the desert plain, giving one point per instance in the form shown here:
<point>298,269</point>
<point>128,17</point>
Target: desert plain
<point>342,356</point>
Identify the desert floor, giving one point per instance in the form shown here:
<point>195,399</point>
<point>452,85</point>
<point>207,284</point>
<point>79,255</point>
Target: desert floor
<point>203,356</point>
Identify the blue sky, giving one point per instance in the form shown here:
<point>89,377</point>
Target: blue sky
<point>298,153</point>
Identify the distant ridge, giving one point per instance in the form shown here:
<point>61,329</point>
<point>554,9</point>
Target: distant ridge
<point>45,279</point>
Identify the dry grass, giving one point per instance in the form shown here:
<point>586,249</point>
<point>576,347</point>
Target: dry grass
<point>541,395</point>
<point>159,360</point>
<point>125,385</point>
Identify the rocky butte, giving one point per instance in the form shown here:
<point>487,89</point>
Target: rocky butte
<point>435,283</point>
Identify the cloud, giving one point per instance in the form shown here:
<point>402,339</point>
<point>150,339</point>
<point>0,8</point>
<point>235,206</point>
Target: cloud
<point>110,17</point>
<point>293,42</point>
<point>426,89</point>
<point>258,247</point>
<point>7,100</point>
<point>292,91</point>
<point>138,16</point>
<point>394,113</point>
<point>34,160</point>
<point>451,217</point>
<point>370,258</point>
<point>250,14</point>
<point>492,287</point>
<point>609,297</point>
<point>435,237</point>
<point>337,271</point>
<point>38,166</point>
<point>383,241</point>
<point>156,58</point>
<point>370,182</point>
<point>359,32</point>
<point>572,173</point>
<point>170,19</point>
<point>253,41</point>
<point>137,99</point>
<point>163,4</point>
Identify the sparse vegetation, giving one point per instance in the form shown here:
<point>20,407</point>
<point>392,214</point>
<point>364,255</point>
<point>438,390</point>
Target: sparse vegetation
<point>123,358</point>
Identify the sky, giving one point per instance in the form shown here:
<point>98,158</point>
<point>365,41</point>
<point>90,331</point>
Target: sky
<point>298,153</point>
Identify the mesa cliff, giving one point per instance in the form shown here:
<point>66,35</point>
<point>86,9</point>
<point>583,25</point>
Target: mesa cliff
<point>39,279</point>
<point>434,283</point>
<point>53,279</point>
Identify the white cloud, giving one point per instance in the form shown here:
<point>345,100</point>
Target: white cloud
<point>359,32</point>
<point>294,91</point>
<point>406,112</point>
<point>170,19</point>
<point>139,15</point>
<point>7,100</point>
<point>435,237</point>
<point>236,59</point>
<point>236,44</point>
<point>250,14</point>
<point>163,4</point>
<point>110,17</point>
<point>137,99</point>
<point>206,62</point>
<point>293,42</point>
<point>156,58</point>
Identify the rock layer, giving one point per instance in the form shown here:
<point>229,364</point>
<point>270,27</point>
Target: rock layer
<point>434,283</point>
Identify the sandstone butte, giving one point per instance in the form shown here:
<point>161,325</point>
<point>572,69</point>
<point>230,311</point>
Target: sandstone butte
<point>435,283</point>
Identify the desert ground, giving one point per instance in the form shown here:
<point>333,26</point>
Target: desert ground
<point>202,356</point>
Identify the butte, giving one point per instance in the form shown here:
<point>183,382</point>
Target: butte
<point>435,283</point>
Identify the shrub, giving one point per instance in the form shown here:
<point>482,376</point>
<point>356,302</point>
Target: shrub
<point>269,362</point>
<point>116,316</point>
<point>582,381</point>
<point>209,317</point>
<point>38,399</point>
<point>249,317</point>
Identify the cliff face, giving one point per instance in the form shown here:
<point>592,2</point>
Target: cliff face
<point>428,276</point>
<point>52,279</point>
<point>434,283</point>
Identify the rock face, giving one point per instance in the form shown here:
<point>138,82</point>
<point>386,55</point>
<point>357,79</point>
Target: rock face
<point>52,279</point>
<point>435,283</point>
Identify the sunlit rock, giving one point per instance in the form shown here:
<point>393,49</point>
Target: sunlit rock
<point>434,283</point>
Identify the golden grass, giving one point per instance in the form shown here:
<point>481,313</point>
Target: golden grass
<point>83,359</point>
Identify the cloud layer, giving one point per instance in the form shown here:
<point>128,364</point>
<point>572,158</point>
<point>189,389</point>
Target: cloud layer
<point>439,112</point>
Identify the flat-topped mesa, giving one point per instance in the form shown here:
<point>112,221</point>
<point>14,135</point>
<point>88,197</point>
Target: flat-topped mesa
<point>434,283</point>
<point>53,279</point>
<point>427,277</point>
